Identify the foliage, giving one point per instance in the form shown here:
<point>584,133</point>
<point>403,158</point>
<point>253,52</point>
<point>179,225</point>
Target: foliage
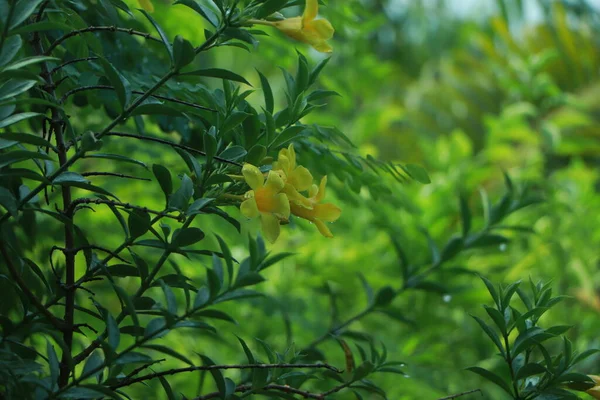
<point>128,141</point>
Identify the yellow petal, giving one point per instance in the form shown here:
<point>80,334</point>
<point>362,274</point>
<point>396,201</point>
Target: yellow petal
<point>323,228</point>
<point>291,155</point>
<point>274,182</point>
<point>146,5</point>
<point>594,392</point>
<point>321,193</point>
<point>327,212</point>
<point>295,197</point>
<point>282,207</point>
<point>249,208</point>
<point>310,10</point>
<point>323,47</point>
<point>283,163</point>
<point>313,191</point>
<point>254,178</point>
<point>301,179</point>
<point>291,27</point>
<point>320,28</point>
<point>270,226</point>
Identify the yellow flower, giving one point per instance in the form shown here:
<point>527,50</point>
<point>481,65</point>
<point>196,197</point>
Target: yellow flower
<point>317,213</point>
<point>595,391</point>
<point>265,200</point>
<point>146,5</point>
<point>297,178</point>
<point>306,28</point>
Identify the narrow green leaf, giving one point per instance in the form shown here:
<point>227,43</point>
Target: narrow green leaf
<point>217,73</point>
<point>161,33</point>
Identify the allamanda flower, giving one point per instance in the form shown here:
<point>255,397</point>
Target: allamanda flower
<point>297,178</point>
<point>265,200</point>
<point>306,28</point>
<point>317,213</point>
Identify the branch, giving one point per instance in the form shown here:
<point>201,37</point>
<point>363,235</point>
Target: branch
<point>66,36</point>
<point>128,382</point>
<point>156,96</point>
<point>455,396</point>
<point>115,175</point>
<point>57,323</point>
<point>72,62</point>
<point>84,200</point>
<point>168,143</point>
<point>281,388</point>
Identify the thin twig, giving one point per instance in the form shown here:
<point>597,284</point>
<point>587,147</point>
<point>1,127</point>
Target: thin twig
<point>84,200</point>
<point>66,36</point>
<point>455,396</point>
<point>115,175</point>
<point>128,382</point>
<point>156,96</point>
<point>143,367</point>
<point>72,62</point>
<point>94,247</point>
<point>168,143</point>
<point>280,388</point>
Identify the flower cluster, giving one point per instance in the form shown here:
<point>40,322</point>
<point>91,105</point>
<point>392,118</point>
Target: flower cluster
<point>307,28</point>
<point>280,195</point>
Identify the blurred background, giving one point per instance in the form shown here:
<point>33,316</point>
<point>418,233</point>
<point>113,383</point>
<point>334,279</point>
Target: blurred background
<point>469,89</point>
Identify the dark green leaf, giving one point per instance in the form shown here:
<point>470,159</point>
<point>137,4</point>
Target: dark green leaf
<point>217,73</point>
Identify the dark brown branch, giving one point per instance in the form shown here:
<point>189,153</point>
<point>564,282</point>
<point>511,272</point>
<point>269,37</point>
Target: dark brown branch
<point>115,175</point>
<point>72,62</point>
<point>128,382</point>
<point>66,36</point>
<point>156,96</point>
<point>143,367</point>
<point>57,323</point>
<point>84,200</point>
<point>455,396</point>
<point>168,143</point>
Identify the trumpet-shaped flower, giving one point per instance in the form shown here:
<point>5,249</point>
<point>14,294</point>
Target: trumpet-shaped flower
<point>316,212</point>
<point>265,200</point>
<point>297,178</point>
<point>306,28</point>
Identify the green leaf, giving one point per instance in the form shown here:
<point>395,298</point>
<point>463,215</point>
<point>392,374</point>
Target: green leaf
<point>8,201</point>
<point>41,26</point>
<point>202,297</point>
<point>491,334</point>
<point>69,177</point>
<point>491,290</point>
<point>161,33</point>
<point>117,81</point>
<point>169,298</point>
<point>233,121</point>
<point>138,223</point>
<point>197,206</point>
<point>28,61</point>
<point>13,119</point>
<point>93,363</point>
<point>163,176</point>
<point>114,335</point>
<point>465,214</point>
<point>167,388</point>
<point>492,377</point>
<point>529,370</point>
<point>267,93</point>
<point>287,135</point>
<point>233,153</point>
<point>52,362</point>
<point>21,155</point>
<point>385,296</point>
<point>216,374</point>
<point>205,12</point>
<point>210,146</point>
<point>23,9</point>
<point>217,73</point>
<point>418,173</point>
<point>187,237</point>
<point>183,52</point>
<point>9,50</point>
<point>13,88</point>
<point>249,355</point>
<point>27,139</point>
<point>181,198</point>
<point>169,351</point>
